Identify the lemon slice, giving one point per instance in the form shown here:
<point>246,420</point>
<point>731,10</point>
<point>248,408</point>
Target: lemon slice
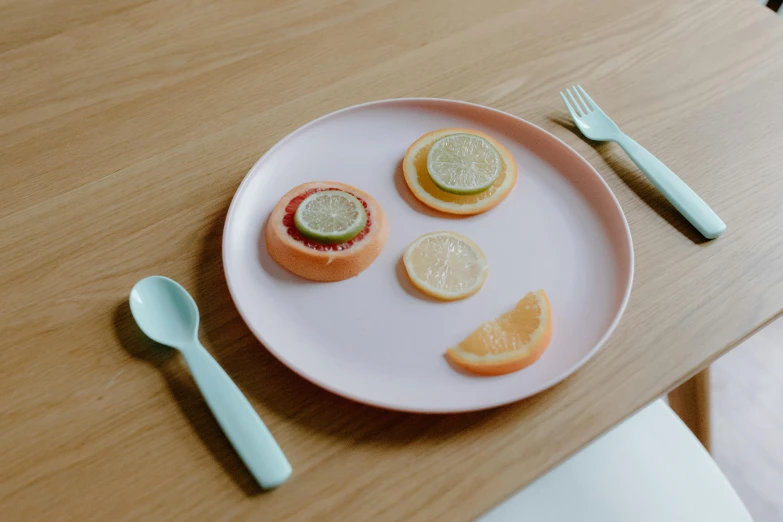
<point>463,164</point>
<point>330,216</point>
<point>446,265</point>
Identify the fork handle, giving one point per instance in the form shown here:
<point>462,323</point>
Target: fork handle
<point>674,189</point>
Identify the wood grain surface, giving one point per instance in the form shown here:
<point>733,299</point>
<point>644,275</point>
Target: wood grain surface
<point>126,126</point>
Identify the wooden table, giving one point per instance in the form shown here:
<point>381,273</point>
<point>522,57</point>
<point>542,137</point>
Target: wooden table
<point>128,124</point>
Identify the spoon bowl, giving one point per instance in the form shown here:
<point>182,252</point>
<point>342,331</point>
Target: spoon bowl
<point>165,312</point>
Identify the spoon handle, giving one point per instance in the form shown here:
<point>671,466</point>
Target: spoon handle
<point>240,422</point>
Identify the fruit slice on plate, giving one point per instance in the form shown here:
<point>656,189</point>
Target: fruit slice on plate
<point>330,216</point>
<point>462,162</point>
<point>446,265</point>
<point>326,231</point>
<point>509,343</point>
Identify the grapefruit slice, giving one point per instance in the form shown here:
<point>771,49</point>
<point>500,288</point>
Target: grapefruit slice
<point>421,184</point>
<point>509,343</point>
<point>324,260</point>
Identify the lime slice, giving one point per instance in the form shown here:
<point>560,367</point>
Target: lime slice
<point>463,164</point>
<point>330,216</point>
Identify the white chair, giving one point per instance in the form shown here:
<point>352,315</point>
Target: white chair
<point>649,468</point>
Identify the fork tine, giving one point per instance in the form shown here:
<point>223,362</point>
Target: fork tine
<point>579,109</point>
<point>586,106</point>
<point>570,109</point>
<point>593,105</point>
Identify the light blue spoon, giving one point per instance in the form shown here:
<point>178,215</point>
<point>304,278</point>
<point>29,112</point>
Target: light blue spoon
<point>167,314</point>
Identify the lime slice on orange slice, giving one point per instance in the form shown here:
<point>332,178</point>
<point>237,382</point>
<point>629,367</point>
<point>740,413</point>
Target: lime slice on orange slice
<point>463,164</point>
<point>414,168</point>
<point>330,216</point>
<point>446,265</point>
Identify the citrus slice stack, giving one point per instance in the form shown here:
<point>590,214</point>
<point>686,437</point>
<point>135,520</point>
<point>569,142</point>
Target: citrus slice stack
<point>446,265</point>
<point>459,171</point>
<point>509,343</point>
<point>326,231</point>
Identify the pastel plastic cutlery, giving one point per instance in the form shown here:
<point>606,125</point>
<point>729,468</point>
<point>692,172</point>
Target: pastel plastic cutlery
<point>596,125</point>
<point>167,314</point>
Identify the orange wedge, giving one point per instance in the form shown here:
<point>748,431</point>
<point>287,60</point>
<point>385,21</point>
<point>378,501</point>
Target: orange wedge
<point>414,167</point>
<point>509,343</point>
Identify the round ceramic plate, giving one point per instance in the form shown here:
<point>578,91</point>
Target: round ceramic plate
<point>374,338</point>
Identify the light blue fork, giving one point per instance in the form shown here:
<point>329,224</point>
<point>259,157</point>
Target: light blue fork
<point>596,125</point>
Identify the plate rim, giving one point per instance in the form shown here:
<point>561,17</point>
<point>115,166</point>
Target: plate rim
<point>395,407</point>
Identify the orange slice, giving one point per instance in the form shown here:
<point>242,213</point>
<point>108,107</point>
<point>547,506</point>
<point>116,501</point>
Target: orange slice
<point>509,343</point>
<point>414,167</point>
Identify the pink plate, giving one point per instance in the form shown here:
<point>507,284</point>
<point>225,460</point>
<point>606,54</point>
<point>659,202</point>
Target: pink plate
<point>374,338</point>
